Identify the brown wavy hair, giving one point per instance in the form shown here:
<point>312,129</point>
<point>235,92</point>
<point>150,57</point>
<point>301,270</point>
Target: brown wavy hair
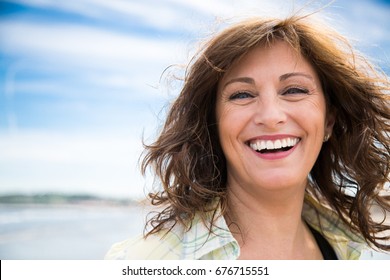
<point>189,162</point>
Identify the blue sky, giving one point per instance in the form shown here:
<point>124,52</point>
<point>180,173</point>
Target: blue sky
<point>80,80</point>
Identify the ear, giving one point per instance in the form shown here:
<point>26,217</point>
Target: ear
<point>330,121</point>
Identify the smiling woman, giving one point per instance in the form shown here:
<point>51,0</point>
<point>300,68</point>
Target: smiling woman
<point>276,148</point>
<point>282,106</point>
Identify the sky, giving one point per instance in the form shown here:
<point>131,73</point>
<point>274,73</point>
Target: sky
<point>84,82</point>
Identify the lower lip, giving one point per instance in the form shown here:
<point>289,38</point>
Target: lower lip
<point>277,155</point>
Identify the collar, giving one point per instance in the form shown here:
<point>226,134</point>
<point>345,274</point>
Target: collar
<point>199,243</point>
<point>346,243</point>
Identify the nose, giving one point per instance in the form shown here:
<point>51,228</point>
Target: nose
<point>270,112</point>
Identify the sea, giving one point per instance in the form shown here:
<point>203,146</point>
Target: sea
<point>73,232</point>
<point>65,232</point>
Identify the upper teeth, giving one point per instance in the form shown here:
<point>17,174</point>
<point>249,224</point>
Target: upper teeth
<point>259,145</point>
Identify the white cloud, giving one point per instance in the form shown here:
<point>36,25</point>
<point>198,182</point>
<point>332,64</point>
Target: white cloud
<point>97,62</point>
<point>83,45</point>
<point>94,163</point>
<point>363,20</point>
<point>161,15</point>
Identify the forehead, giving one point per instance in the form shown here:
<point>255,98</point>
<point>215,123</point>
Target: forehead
<point>268,61</point>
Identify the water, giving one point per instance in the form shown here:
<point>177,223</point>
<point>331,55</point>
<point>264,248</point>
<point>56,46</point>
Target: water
<point>72,232</point>
<point>67,232</point>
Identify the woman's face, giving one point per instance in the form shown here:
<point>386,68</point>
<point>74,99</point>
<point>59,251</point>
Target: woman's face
<point>272,119</point>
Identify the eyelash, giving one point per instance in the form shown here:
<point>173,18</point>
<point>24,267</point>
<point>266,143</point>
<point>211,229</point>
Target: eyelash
<point>298,89</point>
<point>240,94</point>
<point>245,94</point>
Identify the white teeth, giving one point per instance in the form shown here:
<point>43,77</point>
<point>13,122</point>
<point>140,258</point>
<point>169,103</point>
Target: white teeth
<point>259,145</point>
<point>277,144</point>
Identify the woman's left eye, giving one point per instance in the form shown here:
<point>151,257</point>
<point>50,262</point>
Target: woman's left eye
<point>295,90</point>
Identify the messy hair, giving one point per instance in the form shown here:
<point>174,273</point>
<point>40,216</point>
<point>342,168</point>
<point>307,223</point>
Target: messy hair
<point>188,160</point>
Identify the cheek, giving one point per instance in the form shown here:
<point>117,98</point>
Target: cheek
<point>231,120</point>
<point>311,114</point>
<point>231,123</point>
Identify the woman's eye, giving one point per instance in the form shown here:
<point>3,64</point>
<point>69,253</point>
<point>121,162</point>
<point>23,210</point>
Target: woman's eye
<point>295,90</point>
<point>241,95</point>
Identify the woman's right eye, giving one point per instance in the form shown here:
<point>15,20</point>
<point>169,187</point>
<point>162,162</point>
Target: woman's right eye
<point>240,95</point>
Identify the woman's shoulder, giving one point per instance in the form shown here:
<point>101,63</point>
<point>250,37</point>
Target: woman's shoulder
<point>164,245</point>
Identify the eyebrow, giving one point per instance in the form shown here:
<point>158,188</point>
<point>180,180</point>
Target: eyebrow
<point>251,81</point>
<point>293,74</point>
<point>246,80</point>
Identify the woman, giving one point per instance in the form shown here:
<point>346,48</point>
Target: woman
<point>276,148</point>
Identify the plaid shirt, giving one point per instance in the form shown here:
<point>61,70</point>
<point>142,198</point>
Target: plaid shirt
<point>198,243</point>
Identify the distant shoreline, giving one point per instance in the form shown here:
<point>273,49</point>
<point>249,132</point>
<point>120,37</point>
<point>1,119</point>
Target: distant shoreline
<point>63,199</point>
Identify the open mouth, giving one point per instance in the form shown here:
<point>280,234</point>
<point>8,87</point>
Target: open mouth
<point>273,146</point>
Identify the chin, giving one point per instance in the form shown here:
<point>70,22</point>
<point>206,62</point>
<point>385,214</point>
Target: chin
<point>274,183</point>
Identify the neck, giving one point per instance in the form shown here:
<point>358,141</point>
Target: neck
<point>268,225</point>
